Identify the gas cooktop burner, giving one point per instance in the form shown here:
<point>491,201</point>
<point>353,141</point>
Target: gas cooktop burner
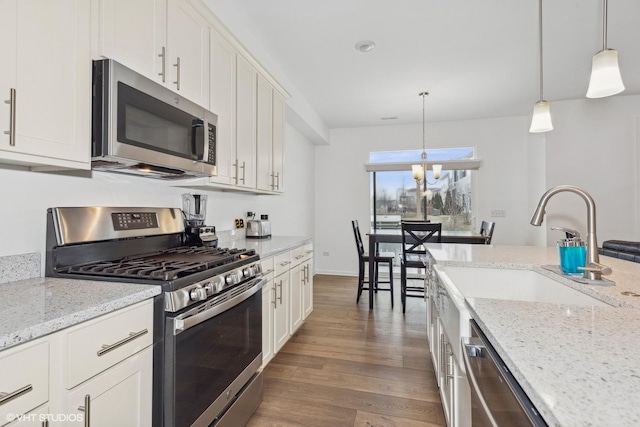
<point>164,265</point>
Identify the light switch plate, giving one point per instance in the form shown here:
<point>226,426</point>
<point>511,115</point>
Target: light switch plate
<point>498,213</point>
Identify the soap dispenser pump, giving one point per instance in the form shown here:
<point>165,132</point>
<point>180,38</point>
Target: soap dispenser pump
<point>572,251</point>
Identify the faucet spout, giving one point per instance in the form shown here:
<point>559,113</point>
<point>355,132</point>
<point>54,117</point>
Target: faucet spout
<point>593,259</point>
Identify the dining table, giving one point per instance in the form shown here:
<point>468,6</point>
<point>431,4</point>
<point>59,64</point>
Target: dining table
<point>394,235</point>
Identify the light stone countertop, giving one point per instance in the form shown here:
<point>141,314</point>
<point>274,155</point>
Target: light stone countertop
<point>579,365</point>
<point>266,247</point>
<point>33,308</point>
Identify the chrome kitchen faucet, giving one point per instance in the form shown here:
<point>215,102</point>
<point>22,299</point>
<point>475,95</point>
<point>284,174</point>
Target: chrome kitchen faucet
<point>593,270</point>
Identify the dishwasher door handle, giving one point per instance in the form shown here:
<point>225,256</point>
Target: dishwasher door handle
<point>472,347</point>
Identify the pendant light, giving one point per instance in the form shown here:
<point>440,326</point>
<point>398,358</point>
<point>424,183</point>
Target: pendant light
<point>605,73</point>
<point>541,120</point>
<point>420,171</point>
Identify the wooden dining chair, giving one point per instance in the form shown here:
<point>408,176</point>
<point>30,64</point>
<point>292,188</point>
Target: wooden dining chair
<point>486,229</point>
<point>380,258</point>
<point>415,234</point>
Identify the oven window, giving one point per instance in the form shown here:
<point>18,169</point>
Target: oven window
<point>147,122</point>
<point>209,356</point>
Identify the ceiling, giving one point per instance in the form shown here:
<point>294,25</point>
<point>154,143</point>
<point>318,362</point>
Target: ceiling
<point>477,59</point>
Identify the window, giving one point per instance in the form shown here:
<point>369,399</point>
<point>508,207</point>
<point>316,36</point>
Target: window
<point>395,194</point>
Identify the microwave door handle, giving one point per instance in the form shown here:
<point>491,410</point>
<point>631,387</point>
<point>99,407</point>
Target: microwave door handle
<point>196,125</point>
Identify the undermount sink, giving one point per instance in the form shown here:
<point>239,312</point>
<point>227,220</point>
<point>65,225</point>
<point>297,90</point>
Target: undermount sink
<point>518,285</point>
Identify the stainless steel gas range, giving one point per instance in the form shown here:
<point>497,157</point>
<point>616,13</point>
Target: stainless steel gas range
<point>208,319</point>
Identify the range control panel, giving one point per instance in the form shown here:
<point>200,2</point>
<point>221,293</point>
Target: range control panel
<point>134,220</point>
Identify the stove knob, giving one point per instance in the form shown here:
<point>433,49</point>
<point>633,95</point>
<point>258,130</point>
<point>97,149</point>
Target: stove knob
<point>231,279</point>
<point>197,294</point>
<point>248,272</point>
<point>210,288</point>
<point>258,268</point>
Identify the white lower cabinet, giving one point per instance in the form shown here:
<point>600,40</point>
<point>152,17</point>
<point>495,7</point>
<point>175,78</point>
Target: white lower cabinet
<point>125,386</point>
<point>452,380</point>
<point>101,368</point>
<point>287,298</point>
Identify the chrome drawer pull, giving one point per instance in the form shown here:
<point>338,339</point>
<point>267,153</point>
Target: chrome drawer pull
<point>87,410</point>
<point>7,397</point>
<point>106,348</point>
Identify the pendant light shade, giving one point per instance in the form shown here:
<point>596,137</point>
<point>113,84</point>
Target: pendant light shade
<point>541,121</point>
<point>605,75</point>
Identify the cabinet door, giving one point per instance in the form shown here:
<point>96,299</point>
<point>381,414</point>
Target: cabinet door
<point>222,63</point>
<point>295,298</point>
<point>188,52</point>
<point>268,312</point>
<point>52,82</point>
<point>246,77</point>
<point>120,396</point>
<point>265,179</point>
<point>281,313</point>
<point>134,34</point>
<point>278,141</point>
<point>307,289</point>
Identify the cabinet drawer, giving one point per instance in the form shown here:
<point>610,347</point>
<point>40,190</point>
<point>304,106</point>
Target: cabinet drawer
<point>297,255</point>
<point>267,268</point>
<point>24,372</point>
<point>94,346</point>
<point>282,263</point>
<point>307,251</point>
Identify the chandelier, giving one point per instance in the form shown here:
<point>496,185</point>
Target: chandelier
<point>420,171</point>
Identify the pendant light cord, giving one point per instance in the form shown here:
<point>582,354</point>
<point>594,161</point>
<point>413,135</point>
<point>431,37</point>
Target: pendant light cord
<point>540,45</point>
<point>423,156</point>
<point>604,25</point>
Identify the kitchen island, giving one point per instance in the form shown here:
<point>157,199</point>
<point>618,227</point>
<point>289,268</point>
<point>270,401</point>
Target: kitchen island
<point>578,364</point>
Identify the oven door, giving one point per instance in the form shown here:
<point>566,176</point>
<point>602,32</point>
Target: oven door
<point>211,352</point>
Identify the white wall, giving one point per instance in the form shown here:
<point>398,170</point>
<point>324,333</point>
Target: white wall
<point>595,146</point>
<point>509,169</point>
<point>27,195</point>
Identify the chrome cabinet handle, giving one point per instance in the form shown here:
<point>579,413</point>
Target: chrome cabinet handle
<point>275,297</point>
<point>7,397</point>
<point>177,65</point>
<point>273,181</point>
<point>106,348</point>
<point>12,117</point>
<point>280,298</point>
<point>236,166</point>
<point>277,180</point>
<point>264,273</point>
<point>163,73</point>
<point>86,409</point>
<point>243,172</point>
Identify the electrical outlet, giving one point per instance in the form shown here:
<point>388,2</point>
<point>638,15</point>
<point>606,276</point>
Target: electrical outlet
<point>325,253</point>
<point>239,223</point>
<point>498,213</point>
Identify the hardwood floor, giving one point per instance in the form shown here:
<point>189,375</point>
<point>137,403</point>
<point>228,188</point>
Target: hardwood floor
<point>349,366</point>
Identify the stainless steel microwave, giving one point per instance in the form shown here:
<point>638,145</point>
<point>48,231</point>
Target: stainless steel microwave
<point>142,128</point>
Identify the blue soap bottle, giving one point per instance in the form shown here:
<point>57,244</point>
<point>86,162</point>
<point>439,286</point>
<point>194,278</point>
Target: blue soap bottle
<point>572,251</point>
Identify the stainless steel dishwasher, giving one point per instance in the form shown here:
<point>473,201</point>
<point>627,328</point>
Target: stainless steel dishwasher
<point>496,397</point>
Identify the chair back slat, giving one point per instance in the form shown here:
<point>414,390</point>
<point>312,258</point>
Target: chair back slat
<point>486,229</point>
<point>416,234</point>
<point>358,237</point>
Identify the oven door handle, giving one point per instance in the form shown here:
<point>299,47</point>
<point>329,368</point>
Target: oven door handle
<point>192,318</point>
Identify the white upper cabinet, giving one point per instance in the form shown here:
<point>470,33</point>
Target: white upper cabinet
<point>134,33</point>
<point>246,82</point>
<point>222,84</point>
<point>278,142</point>
<point>45,83</point>
<point>188,52</point>
<point>164,40</point>
<point>264,123</point>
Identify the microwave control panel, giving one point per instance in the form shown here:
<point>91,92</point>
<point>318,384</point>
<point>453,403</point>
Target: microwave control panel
<point>211,155</point>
